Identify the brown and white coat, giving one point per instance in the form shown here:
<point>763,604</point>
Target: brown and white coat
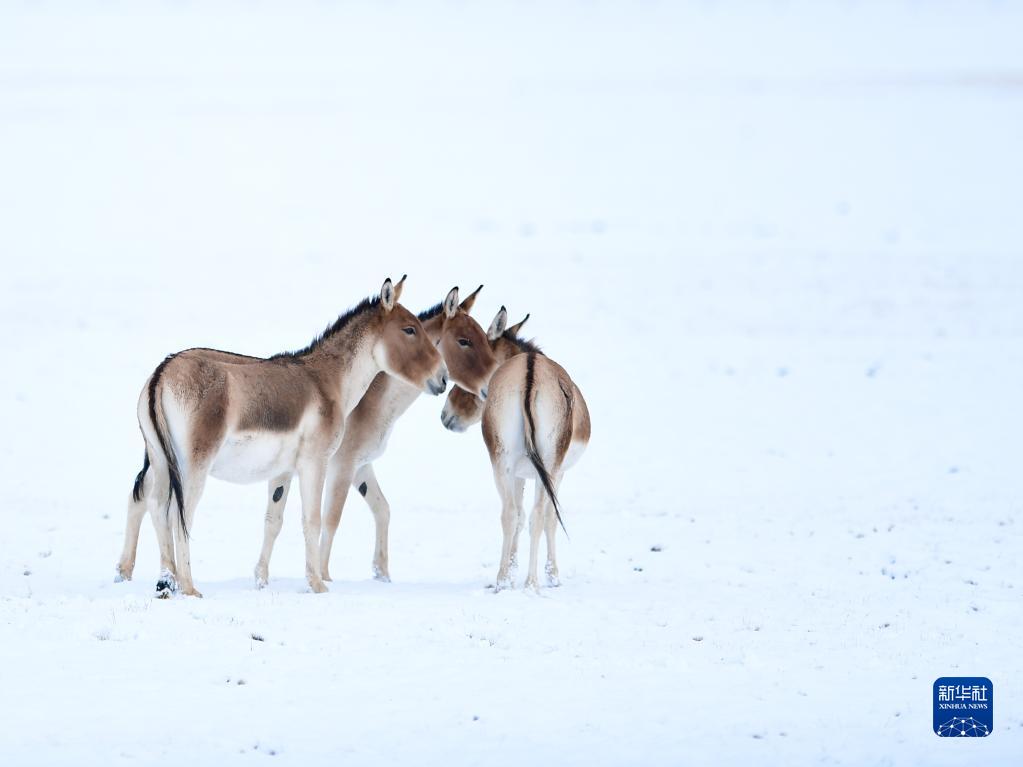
<point>536,425</point>
<point>246,419</point>
<point>470,363</point>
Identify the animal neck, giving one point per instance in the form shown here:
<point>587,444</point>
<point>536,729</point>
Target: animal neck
<point>505,349</point>
<point>346,362</point>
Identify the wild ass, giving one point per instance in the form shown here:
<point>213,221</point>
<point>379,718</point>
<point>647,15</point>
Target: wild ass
<point>463,408</point>
<point>470,363</point>
<point>536,425</point>
<point>243,419</point>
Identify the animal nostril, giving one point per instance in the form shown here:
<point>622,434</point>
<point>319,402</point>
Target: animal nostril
<point>483,393</point>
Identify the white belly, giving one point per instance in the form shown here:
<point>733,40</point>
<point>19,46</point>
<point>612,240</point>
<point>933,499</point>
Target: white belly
<point>246,458</point>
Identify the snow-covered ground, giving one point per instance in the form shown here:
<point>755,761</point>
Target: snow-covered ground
<point>777,245</point>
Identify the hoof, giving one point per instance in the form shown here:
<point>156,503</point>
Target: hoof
<point>261,576</point>
<point>318,587</point>
<point>166,586</point>
<point>532,585</point>
<point>326,577</point>
<point>503,583</point>
<point>552,576</point>
<point>379,574</point>
<point>261,583</point>
<point>192,592</point>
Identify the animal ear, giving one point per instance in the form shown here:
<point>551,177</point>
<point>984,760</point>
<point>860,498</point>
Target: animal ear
<point>470,299</point>
<point>387,298</point>
<point>514,329</point>
<point>497,326</point>
<point>398,288</point>
<point>451,303</point>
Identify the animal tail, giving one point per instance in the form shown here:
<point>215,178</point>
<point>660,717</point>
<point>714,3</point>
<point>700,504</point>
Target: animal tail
<point>531,451</point>
<point>140,478</point>
<point>159,420</point>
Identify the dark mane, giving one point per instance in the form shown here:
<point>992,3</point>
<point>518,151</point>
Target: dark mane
<point>430,313</point>
<point>361,308</point>
<point>524,345</point>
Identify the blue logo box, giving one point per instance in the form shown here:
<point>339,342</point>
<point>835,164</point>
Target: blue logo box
<point>963,707</point>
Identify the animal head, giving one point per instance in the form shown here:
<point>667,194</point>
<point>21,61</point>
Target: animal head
<point>403,349</point>
<point>462,408</point>
<point>464,346</point>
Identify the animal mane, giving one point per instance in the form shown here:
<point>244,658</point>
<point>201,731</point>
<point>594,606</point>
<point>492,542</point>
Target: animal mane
<point>430,313</point>
<point>333,328</point>
<point>524,345</point>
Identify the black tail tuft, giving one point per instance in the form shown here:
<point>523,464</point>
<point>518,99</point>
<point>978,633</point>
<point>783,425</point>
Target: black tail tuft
<point>545,480</point>
<point>140,478</point>
<point>168,449</point>
<point>534,457</point>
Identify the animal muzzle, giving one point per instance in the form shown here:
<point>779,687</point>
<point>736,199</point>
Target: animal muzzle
<point>438,383</point>
<point>451,421</point>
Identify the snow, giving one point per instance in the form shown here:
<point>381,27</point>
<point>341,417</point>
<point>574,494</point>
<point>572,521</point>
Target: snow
<point>777,246</point>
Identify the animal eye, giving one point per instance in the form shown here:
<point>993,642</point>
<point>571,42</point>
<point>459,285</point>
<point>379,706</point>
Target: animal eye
<point>409,331</point>
<point>464,342</point>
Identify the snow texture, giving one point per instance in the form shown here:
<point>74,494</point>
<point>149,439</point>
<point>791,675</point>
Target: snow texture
<point>776,244</point>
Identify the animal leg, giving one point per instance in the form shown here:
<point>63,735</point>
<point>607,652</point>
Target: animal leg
<point>165,540</point>
<point>535,528</point>
<point>195,482</point>
<point>310,485</point>
<point>366,482</point>
<point>277,497</point>
<point>520,521</point>
<point>551,530</point>
<point>132,527</point>
<point>157,500</point>
<point>509,520</point>
<point>338,480</point>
